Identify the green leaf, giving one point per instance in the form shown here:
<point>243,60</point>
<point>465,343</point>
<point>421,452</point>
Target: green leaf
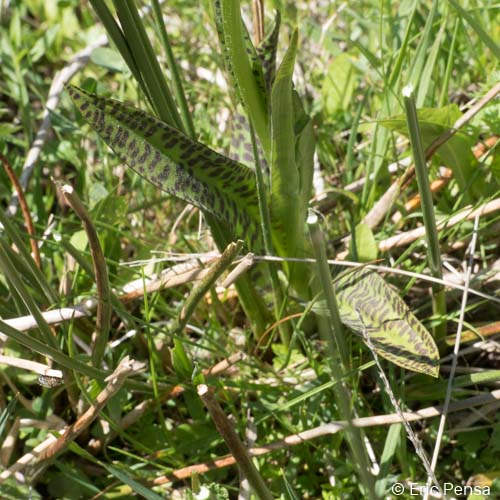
<point>366,301</point>
<point>363,244</point>
<point>285,181</point>
<point>180,361</point>
<point>109,59</point>
<point>266,52</point>
<point>176,164</point>
<point>125,478</point>
<point>391,443</point>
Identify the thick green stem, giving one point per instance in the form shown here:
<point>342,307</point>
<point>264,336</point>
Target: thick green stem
<point>265,220</point>
<point>331,331</point>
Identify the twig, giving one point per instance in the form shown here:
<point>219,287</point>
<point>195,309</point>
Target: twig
<point>32,366</point>
<point>234,443</point>
<point>24,209</point>
<point>103,317</point>
<point>329,429</point>
<point>25,323</point>
<point>179,274</point>
<point>454,360</point>
<point>9,442</point>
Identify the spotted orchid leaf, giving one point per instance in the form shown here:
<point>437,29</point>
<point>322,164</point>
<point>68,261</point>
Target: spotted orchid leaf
<point>266,52</point>
<point>368,305</point>
<point>243,65</point>
<point>373,310</point>
<point>176,164</point>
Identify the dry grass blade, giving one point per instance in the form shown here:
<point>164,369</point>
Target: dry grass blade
<point>53,445</point>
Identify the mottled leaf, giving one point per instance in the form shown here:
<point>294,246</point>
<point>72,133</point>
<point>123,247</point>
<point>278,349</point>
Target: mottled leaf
<point>368,304</point>
<point>266,52</point>
<point>243,66</point>
<point>366,301</point>
<point>176,164</point>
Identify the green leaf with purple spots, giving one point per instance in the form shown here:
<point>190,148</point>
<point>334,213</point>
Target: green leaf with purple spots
<point>243,66</point>
<point>176,164</point>
<point>266,52</point>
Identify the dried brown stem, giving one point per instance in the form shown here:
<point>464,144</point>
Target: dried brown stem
<point>258,21</point>
<point>24,209</point>
<point>103,316</point>
<point>408,237</point>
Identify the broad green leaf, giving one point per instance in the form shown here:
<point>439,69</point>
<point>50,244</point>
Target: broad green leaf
<point>455,153</point>
<point>241,145</point>
<point>249,86</point>
<point>365,244</point>
<point>109,59</point>
<point>305,144</point>
<point>366,301</point>
<point>285,182</point>
<point>367,304</point>
<point>339,84</point>
<point>180,361</point>
<point>176,164</point>
<point>392,441</point>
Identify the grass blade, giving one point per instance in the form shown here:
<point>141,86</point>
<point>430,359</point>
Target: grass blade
<point>142,51</point>
<point>433,252</point>
<point>476,26</point>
